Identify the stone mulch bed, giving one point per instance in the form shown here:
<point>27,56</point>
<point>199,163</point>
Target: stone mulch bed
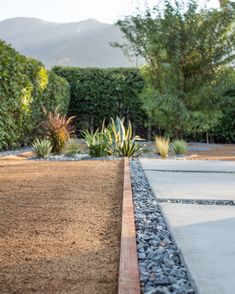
<point>161,268</point>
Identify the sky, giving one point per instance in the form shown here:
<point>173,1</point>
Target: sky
<point>74,10</point>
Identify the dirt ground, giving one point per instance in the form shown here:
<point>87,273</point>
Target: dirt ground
<point>60,226</point>
<point>212,151</point>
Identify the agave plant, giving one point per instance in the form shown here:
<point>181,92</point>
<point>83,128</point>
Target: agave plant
<point>42,148</point>
<point>122,138</point>
<point>58,129</point>
<point>119,132</point>
<point>129,148</point>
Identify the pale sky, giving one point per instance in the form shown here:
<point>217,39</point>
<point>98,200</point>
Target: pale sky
<point>74,10</point>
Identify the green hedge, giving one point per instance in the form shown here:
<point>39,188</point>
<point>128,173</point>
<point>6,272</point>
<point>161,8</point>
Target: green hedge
<point>98,94</point>
<point>26,86</point>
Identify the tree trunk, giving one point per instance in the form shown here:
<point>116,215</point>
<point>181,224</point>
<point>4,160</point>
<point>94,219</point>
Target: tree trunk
<point>149,129</point>
<point>177,134</point>
<point>92,123</point>
<point>134,130</point>
<point>207,138</point>
<point>223,2</point>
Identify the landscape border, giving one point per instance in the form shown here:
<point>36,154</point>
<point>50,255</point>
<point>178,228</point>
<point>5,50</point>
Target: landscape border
<point>129,281</point>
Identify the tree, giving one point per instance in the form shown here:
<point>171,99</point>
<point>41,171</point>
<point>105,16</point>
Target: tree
<point>225,2</point>
<point>188,51</point>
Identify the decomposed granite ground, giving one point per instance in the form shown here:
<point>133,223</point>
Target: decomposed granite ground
<point>60,226</point>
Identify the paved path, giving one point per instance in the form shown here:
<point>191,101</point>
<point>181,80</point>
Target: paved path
<point>204,233</point>
<point>181,179</point>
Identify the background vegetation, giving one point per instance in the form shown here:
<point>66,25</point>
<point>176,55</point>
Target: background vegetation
<point>189,53</point>
<point>99,94</point>
<point>186,89</point>
<point>25,87</point>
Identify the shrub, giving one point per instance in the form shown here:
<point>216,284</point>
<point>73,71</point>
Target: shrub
<point>118,87</point>
<point>115,140</point>
<point>42,148</point>
<point>58,129</point>
<point>25,86</point>
<point>162,146</point>
<point>97,142</point>
<point>72,147</point>
<point>179,146</point>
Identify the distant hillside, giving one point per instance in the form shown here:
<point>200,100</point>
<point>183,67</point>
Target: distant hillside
<point>84,44</point>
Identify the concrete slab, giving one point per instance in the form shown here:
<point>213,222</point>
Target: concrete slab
<point>208,186</point>
<point>206,237</point>
<point>188,165</point>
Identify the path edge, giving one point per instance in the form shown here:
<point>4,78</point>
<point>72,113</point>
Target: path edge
<point>128,282</point>
<point>172,234</point>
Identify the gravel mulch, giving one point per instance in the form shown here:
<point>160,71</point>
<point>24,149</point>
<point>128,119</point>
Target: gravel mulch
<point>79,156</point>
<point>15,152</point>
<point>161,268</point>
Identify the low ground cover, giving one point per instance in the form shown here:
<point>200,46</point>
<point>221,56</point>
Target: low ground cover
<point>60,226</point>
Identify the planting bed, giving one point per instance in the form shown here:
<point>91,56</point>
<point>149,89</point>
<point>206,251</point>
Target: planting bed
<point>212,151</point>
<point>197,151</point>
<point>60,226</point>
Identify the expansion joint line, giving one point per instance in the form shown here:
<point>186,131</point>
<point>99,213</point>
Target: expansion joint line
<point>189,171</point>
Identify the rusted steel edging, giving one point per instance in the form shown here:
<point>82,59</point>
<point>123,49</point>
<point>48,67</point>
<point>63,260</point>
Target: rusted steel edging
<point>129,282</point>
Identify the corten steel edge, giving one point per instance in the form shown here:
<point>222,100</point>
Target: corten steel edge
<point>129,282</point>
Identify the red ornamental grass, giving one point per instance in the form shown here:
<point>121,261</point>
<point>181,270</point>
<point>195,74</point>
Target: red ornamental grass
<point>59,129</point>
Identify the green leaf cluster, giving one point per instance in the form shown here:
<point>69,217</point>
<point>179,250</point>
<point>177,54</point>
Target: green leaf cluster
<point>42,148</point>
<point>25,87</point>
<point>189,53</point>
<point>99,94</point>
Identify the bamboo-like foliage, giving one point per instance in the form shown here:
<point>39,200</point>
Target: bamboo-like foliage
<point>189,53</point>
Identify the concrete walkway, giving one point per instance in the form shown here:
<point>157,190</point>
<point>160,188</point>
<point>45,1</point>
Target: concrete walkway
<point>204,233</point>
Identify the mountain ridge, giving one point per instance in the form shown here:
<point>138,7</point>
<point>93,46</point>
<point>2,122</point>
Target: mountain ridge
<point>85,43</point>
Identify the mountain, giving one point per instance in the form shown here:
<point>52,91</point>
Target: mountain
<point>84,44</point>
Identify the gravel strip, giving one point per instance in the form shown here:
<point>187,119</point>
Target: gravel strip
<point>174,157</point>
<point>161,269</point>
<point>199,202</point>
<point>80,156</point>
<point>15,152</point>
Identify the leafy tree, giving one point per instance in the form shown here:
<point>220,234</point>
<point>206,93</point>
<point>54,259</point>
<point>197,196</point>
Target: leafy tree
<point>188,51</point>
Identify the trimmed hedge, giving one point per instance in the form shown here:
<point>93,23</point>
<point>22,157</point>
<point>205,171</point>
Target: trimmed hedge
<point>98,94</point>
<point>26,86</point>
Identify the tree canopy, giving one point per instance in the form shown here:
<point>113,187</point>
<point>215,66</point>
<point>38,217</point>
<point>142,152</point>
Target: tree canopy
<point>189,53</point>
